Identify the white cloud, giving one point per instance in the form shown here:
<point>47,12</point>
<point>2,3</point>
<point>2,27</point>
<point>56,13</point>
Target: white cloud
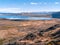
<point>10,10</point>
<point>56,2</point>
<point>33,3</point>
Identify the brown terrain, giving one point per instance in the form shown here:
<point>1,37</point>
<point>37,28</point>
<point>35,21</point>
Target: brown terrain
<point>41,32</point>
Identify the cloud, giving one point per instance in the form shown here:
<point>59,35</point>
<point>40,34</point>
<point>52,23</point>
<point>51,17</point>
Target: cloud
<point>10,10</point>
<point>56,2</point>
<point>33,3</point>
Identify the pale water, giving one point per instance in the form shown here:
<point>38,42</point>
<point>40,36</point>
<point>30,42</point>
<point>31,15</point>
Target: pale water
<point>23,17</point>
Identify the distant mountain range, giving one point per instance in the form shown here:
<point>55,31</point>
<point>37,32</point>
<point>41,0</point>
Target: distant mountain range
<point>43,14</point>
<point>36,14</point>
<point>56,15</point>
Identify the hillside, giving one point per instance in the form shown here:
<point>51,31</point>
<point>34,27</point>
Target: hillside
<point>29,32</point>
<point>56,15</point>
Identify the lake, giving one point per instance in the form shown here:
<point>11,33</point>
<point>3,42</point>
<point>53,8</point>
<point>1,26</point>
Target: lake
<point>23,17</point>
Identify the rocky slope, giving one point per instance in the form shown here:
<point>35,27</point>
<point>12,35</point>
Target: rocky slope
<point>45,32</point>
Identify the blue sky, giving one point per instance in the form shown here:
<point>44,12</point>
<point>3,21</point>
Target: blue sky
<point>17,6</point>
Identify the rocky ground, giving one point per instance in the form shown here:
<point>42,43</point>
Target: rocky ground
<point>43,32</point>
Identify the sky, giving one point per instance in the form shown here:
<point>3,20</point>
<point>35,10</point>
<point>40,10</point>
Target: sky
<point>17,6</point>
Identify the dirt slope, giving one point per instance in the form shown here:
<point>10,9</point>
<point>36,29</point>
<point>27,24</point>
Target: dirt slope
<point>29,32</point>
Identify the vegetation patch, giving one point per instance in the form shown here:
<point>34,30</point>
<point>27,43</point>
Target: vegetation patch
<point>7,27</point>
<point>1,41</point>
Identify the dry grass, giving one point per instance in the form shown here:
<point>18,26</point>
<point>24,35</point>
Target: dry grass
<point>17,30</point>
